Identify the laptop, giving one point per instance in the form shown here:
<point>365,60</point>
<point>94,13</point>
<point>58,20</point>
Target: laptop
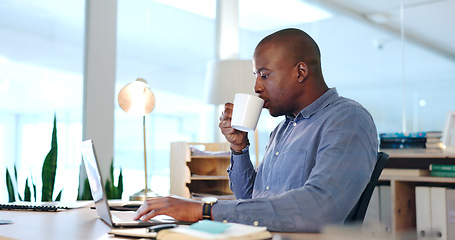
<point>114,219</point>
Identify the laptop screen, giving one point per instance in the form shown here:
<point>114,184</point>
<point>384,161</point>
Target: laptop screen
<point>95,181</point>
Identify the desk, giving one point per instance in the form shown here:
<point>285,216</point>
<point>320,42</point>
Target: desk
<point>74,224</point>
<point>417,158</point>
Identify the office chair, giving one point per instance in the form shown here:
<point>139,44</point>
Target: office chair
<point>357,214</point>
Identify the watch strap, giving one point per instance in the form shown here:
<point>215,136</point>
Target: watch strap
<point>241,151</point>
<point>207,211</point>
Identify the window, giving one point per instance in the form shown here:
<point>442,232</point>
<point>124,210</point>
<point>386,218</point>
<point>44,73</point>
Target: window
<point>41,63</point>
<point>168,47</point>
<point>169,43</point>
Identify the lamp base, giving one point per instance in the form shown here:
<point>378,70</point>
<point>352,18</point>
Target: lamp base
<point>143,195</point>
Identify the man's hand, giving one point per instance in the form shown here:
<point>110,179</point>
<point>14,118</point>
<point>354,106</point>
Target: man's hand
<point>238,139</point>
<point>179,208</point>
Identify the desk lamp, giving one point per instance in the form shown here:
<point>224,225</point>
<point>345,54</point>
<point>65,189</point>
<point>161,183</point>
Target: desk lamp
<point>137,99</point>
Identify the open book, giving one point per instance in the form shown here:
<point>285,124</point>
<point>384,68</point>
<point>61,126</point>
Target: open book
<point>201,230</point>
<point>207,229</point>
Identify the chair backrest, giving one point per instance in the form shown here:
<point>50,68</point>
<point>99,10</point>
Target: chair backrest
<point>357,214</point>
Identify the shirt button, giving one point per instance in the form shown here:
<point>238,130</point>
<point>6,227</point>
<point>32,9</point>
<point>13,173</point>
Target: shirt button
<point>277,153</point>
<point>294,124</point>
<point>267,187</point>
<point>255,223</point>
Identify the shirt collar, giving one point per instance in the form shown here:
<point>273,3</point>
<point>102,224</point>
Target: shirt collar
<point>320,103</point>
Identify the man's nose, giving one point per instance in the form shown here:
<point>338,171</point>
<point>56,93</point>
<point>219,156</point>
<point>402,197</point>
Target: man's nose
<point>258,87</point>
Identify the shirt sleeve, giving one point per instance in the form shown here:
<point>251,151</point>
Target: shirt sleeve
<point>241,175</point>
<point>345,159</point>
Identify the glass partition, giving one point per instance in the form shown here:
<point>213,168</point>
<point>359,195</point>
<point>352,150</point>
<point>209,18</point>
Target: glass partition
<point>41,64</point>
<point>406,83</point>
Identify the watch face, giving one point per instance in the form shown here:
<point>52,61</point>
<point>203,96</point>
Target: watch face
<point>210,200</point>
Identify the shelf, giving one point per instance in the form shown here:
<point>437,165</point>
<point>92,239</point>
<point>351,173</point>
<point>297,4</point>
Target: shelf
<point>417,158</point>
<point>213,166</point>
<point>422,179</point>
<point>418,153</point>
<point>208,177</point>
<point>402,194</point>
<point>219,196</point>
<point>199,168</point>
<point>210,157</point>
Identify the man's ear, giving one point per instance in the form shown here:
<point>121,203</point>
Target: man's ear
<point>302,70</point>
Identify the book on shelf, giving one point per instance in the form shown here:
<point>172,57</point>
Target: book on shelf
<point>401,135</point>
<point>379,211</point>
<point>442,170</point>
<point>402,140</point>
<point>442,212</point>
<point>442,174</point>
<point>385,206</point>
<point>435,145</point>
<point>430,140</point>
<point>442,167</point>
<point>435,207</point>
<point>423,212</point>
<point>402,145</point>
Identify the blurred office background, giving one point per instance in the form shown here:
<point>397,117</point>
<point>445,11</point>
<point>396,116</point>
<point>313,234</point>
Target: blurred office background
<point>397,58</point>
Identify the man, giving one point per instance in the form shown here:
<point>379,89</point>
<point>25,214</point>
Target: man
<point>318,159</point>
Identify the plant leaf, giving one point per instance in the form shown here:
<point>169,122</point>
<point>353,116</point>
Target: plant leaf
<point>16,187</point>
<point>86,193</point>
<point>50,167</point>
<point>10,187</point>
<point>112,172</point>
<point>33,187</point>
<point>109,189</point>
<point>27,193</point>
<point>120,185</point>
<point>59,196</point>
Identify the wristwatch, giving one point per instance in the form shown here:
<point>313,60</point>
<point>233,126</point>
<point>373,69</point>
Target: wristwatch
<point>207,207</point>
<point>241,151</point>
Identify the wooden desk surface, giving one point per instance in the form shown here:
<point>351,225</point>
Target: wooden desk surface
<point>80,223</point>
<point>74,224</point>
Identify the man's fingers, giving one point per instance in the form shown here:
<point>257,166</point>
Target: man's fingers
<point>148,209</point>
<point>227,113</point>
<point>150,214</point>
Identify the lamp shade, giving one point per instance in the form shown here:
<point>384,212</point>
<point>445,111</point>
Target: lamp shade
<point>136,98</point>
<point>225,78</point>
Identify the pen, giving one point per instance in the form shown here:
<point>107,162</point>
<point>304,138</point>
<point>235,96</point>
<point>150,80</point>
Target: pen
<point>160,227</point>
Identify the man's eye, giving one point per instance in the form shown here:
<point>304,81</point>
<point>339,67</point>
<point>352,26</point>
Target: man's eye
<point>263,75</point>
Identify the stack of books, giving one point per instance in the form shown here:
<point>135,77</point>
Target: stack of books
<point>428,140</point>
<point>403,140</point>
<point>434,140</point>
<point>442,170</point>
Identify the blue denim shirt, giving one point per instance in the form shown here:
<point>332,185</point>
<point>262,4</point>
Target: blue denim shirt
<point>315,167</point>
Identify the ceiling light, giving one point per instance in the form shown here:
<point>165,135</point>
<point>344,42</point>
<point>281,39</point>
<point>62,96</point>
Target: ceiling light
<point>258,15</point>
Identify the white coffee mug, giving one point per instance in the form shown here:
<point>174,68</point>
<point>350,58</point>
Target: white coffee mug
<point>247,109</point>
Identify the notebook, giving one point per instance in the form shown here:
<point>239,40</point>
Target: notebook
<point>114,219</point>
